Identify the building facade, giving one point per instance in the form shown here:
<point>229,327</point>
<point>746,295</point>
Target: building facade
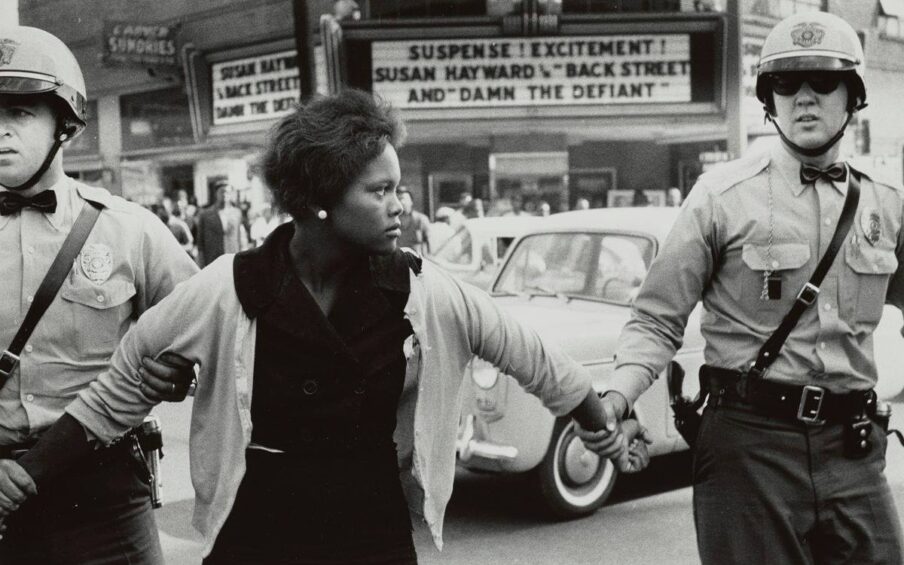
<point>513,102</point>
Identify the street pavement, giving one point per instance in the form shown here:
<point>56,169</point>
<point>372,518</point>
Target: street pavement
<point>495,520</point>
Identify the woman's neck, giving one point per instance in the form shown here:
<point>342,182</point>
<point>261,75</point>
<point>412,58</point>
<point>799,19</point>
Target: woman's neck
<point>319,259</point>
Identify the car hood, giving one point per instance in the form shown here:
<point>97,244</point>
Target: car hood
<point>585,329</point>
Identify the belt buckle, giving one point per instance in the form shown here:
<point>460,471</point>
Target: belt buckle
<point>811,404</point>
<point>8,362</point>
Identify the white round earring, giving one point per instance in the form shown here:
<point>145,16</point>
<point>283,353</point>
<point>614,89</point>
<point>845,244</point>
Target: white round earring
<point>322,214</point>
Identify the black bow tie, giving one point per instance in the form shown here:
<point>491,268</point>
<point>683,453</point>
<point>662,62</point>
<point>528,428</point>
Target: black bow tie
<point>834,172</point>
<point>13,202</point>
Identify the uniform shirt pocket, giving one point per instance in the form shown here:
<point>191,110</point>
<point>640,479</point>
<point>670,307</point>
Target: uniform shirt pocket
<point>784,259</point>
<point>100,313</point>
<point>865,282</point>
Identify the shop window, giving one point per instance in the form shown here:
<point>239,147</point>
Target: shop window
<point>87,142</point>
<point>177,178</point>
<point>155,119</point>
<point>590,187</point>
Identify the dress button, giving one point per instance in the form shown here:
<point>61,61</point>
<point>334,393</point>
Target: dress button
<point>828,221</point>
<point>775,264</point>
<point>100,297</point>
<point>30,299</point>
<point>828,306</point>
<point>29,348</point>
<point>29,398</point>
<point>310,387</point>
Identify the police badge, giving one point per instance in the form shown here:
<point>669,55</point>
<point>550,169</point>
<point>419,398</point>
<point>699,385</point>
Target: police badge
<point>97,262</point>
<point>807,34</point>
<point>870,224</point>
<point>7,50</point>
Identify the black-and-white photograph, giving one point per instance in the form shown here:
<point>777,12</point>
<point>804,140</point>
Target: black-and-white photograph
<point>449,282</point>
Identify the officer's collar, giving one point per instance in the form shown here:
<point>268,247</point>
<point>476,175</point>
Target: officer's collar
<point>788,166</point>
<point>62,188</point>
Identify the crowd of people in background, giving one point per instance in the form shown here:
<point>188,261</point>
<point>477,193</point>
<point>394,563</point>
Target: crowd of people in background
<point>225,225</point>
<point>228,224</point>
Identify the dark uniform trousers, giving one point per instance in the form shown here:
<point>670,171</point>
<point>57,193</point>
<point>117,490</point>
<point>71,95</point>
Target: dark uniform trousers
<point>781,492</point>
<point>99,514</point>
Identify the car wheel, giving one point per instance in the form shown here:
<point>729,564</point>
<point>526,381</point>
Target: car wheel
<point>573,480</point>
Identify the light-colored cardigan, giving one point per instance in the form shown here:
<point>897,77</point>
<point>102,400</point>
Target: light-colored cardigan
<point>203,321</point>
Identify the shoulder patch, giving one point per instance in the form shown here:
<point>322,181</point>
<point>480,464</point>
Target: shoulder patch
<point>730,174</point>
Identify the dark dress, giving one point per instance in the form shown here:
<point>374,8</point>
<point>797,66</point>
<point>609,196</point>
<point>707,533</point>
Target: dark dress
<point>325,392</point>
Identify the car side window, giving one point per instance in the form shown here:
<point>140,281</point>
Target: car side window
<point>621,267</point>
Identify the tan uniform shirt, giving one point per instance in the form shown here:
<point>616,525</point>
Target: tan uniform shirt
<point>717,252</point>
<point>129,263</point>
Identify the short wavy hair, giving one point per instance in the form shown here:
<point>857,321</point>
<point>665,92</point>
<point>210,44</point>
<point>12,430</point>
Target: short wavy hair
<point>315,153</point>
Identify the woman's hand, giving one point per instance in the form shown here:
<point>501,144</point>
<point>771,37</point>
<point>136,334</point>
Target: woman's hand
<point>635,456</point>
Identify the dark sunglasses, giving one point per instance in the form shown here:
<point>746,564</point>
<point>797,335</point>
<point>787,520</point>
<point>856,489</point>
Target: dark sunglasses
<point>787,84</point>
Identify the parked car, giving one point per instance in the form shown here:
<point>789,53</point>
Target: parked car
<point>474,252</point>
<point>573,279</point>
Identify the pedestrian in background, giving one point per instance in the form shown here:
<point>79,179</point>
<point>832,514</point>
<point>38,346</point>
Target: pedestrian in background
<point>330,362</point>
<point>263,225</point>
<point>441,230</point>
<point>415,226</point>
<point>101,512</point>
<point>219,226</point>
<point>788,464</point>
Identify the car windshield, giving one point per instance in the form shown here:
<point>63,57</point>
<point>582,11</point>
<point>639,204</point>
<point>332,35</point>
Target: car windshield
<point>457,249</point>
<point>593,266</point>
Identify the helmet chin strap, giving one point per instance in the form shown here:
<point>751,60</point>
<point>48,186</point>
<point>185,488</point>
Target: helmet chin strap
<point>814,151</point>
<point>59,138</point>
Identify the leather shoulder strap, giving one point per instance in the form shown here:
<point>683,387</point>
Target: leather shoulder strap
<point>807,295</point>
<point>49,287</point>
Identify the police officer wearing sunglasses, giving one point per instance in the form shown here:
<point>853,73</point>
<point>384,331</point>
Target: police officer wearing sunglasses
<point>788,464</point>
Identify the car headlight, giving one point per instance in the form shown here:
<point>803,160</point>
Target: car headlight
<point>484,375</point>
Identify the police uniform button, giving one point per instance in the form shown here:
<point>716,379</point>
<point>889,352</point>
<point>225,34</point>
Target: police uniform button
<point>863,444</point>
<point>30,299</point>
<point>863,433</point>
<point>29,398</point>
<point>100,297</point>
<point>828,221</point>
<point>822,345</point>
<point>310,387</point>
<point>828,306</point>
<point>775,264</point>
<point>876,268</point>
<point>29,348</point>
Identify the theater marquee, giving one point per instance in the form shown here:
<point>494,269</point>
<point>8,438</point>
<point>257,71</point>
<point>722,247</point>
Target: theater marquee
<point>254,88</point>
<point>513,72</point>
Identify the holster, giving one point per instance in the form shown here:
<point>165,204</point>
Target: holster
<point>685,409</point>
<point>687,419</point>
